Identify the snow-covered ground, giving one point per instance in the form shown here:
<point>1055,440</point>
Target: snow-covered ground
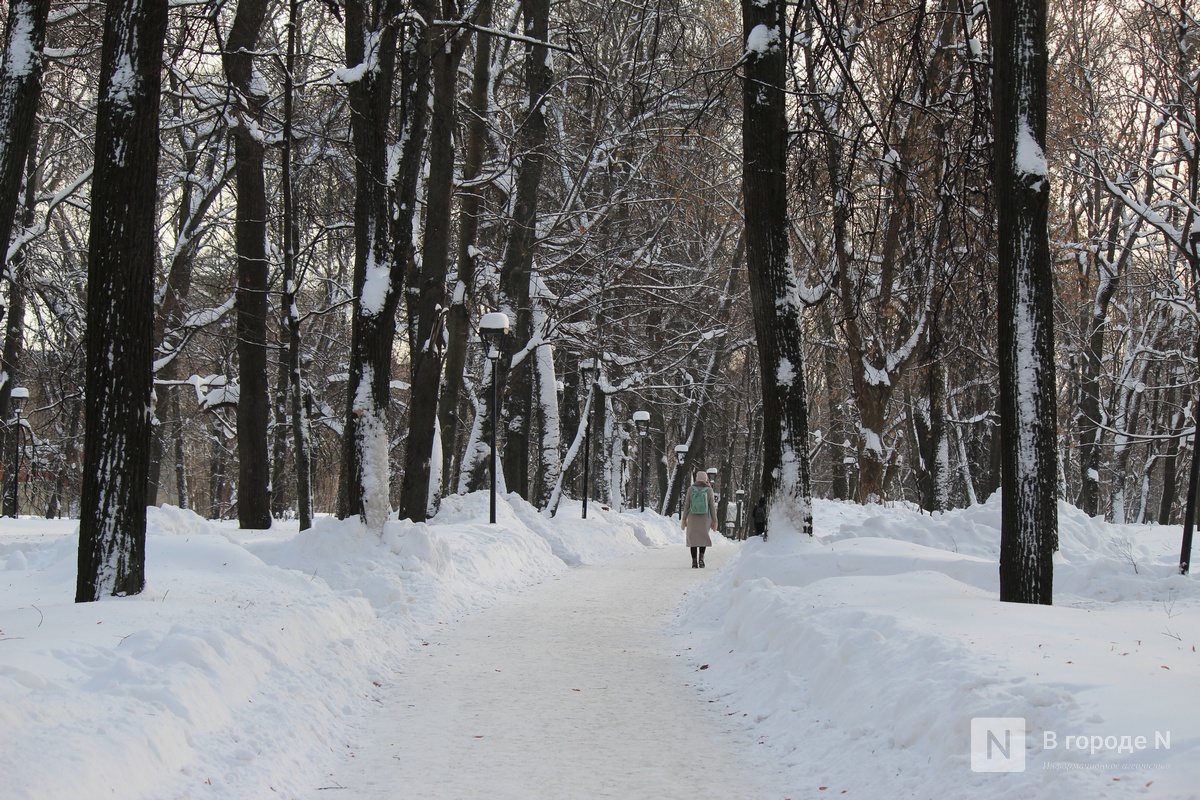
<point>862,656</point>
<point>859,658</point>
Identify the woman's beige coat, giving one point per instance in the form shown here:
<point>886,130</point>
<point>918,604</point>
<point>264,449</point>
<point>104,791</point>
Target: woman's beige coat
<point>698,525</point>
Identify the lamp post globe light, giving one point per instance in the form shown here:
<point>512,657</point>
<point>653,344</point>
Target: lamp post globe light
<point>18,398</point>
<point>641,420</point>
<point>712,481</point>
<point>681,451</point>
<point>590,370</point>
<point>493,328</point>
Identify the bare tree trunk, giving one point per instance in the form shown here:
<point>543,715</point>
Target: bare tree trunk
<point>254,391</point>
<point>1170,478</point>
<point>417,496</point>
<point>20,88</point>
<point>786,480</point>
<point>291,286</point>
<point>516,379</point>
<point>1029,516</point>
<point>120,305</point>
<point>383,240</point>
<point>458,318</point>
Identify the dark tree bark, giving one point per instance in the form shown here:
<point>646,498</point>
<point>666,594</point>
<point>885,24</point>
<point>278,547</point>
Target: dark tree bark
<point>447,50</point>
<point>120,304</point>
<point>1170,478</point>
<point>458,318</point>
<point>383,225</point>
<point>1028,419</point>
<point>516,380</point>
<point>289,311</point>
<point>14,326</point>
<point>20,88</point>
<point>785,470</point>
<point>254,405</point>
<point>1089,416</point>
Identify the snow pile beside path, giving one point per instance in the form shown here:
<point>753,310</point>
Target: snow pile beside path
<point>234,674</point>
<point>861,655</point>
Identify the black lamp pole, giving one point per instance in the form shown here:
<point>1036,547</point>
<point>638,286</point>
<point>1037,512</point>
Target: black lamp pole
<point>17,398</point>
<point>681,451</point>
<point>590,371</point>
<point>641,420</point>
<point>16,463</point>
<point>492,328</point>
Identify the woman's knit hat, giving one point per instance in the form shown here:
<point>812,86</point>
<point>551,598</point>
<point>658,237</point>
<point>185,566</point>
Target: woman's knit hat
<point>701,476</point>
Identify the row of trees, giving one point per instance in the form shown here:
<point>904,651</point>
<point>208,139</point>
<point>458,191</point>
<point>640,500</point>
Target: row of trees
<point>342,188</point>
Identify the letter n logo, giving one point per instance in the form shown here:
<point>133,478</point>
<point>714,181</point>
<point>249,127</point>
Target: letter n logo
<point>998,744</point>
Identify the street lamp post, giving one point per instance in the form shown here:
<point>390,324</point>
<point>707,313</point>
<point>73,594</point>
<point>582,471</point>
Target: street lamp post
<point>681,451</point>
<point>590,370</point>
<point>492,329</point>
<point>641,419</point>
<point>741,496</point>
<point>18,397</point>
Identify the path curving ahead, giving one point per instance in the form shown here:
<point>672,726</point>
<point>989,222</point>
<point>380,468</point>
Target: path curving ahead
<point>571,689</point>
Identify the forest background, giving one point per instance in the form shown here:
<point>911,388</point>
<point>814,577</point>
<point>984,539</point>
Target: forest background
<point>592,187</point>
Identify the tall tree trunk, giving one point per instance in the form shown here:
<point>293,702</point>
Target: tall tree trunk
<point>20,88</point>
<point>417,495</point>
<point>458,318</point>
<point>120,318</point>
<point>1029,515</point>
<point>378,272</point>
<point>1089,416</point>
<point>14,328</point>
<point>254,391</point>
<point>516,269</point>
<point>1170,476</point>
<point>291,286</point>
<point>786,481</point>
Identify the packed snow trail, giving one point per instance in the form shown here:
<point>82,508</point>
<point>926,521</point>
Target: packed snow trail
<point>571,689</point>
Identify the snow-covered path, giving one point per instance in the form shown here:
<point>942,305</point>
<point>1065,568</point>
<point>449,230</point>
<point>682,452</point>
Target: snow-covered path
<point>571,689</point>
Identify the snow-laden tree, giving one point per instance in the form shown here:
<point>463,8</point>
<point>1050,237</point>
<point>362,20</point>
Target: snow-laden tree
<point>112,529</point>
<point>384,218</point>
<point>20,88</point>
<point>1028,414</point>
<point>774,286</point>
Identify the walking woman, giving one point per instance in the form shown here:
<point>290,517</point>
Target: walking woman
<point>699,517</point>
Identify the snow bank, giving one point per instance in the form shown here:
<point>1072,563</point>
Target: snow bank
<point>861,656</point>
<point>234,674</point>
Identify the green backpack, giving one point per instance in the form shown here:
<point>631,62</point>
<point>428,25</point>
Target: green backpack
<point>698,504</point>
